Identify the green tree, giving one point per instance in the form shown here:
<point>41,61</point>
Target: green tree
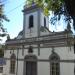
<point>59,8</point>
<point>3,31</point>
<point>3,17</point>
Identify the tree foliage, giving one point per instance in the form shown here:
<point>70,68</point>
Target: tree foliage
<point>58,7</point>
<point>47,5</point>
<point>2,17</point>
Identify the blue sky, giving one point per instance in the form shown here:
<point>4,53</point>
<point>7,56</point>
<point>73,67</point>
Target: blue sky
<point>13,10</point>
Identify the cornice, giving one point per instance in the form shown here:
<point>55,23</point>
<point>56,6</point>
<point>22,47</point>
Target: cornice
<point>54,39</point>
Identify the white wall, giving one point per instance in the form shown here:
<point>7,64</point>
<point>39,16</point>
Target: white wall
<point>43,68</point>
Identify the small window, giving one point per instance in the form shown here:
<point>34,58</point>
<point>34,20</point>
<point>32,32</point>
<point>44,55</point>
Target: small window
<point>12,64</point>
<point>44,22</point>
<point>31,21</point>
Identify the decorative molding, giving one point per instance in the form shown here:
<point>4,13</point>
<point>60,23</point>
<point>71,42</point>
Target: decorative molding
<point>44,46</point>
<point>42,39</point>
<point>59,39</point>
<point>46,60</point>
<point>55,55</point>
<point>31,9</point>
<point>30,49</point>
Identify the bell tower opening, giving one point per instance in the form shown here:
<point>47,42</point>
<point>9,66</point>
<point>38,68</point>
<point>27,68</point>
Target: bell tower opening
<point>31,23</point>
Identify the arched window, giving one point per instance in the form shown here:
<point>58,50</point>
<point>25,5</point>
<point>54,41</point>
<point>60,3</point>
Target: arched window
<point>54,66</point>
<point>44,22</point>
<point>31,21</point>
<point>12,63</point>
<point>30,65</point>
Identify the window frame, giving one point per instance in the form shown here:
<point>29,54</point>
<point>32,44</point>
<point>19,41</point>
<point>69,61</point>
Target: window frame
<point>44,21</point>
<point>12,63</point>
<point>31,21</point>
<point>54,66</point>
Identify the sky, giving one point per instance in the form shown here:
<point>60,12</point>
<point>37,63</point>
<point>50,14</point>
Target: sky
<point>13,10</point>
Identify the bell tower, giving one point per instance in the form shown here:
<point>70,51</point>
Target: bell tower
<point>34,19</point>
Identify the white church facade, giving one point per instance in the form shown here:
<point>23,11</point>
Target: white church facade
<point>36,50</point>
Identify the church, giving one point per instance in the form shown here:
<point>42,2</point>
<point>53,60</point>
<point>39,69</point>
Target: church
<point>38,51</point>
